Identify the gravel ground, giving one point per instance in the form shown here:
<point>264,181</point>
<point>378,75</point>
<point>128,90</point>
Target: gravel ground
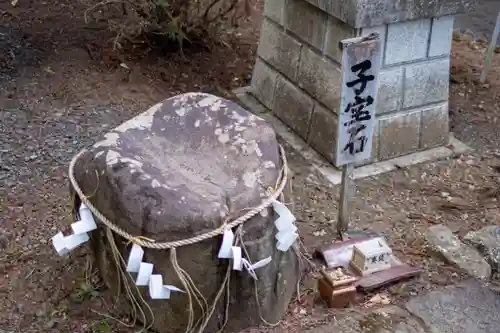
<point>481,22</point>
<point>60,88</point>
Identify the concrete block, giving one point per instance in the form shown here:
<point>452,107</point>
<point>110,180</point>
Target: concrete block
<point>399,134</point>
<point>369,13</point>
<point>306,21</point>
<point>426,83</point>
<point>279,49</point>
<point>441,36</point>
<point>390,90</point>
<point>293,106</point>
<point>407,41</point>
<point>264,83</point>
<point>320,77</point>
<point>336,31</point>
<point>382,31</point>
<point>323,132</point>
<point>246,98</point>
<point>274,10</point>
<point>435,129</point>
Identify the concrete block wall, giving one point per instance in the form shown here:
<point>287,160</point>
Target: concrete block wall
<point>297,75</point>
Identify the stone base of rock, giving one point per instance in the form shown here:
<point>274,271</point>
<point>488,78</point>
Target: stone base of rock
<point>323,166</point>
<point>444,242</point>
<point>183,168</point>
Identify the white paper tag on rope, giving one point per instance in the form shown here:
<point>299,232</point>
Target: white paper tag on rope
<point>283,234</point>
<point>82,227</point>
<point>86,215</point>
<point>237,262</point>
<point>156,288</point>
<point>59,244</point>
<point>248,267</point>
<point>225,251</point>
<point>73,241</point>
<point>135,259</point>
<point>287,241</point>
<point>285,219</point>
<point>261,263</point>
<point>173,288</point>
<point>145,272</point>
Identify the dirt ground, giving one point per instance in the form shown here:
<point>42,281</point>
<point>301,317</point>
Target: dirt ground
<point>62,85</point>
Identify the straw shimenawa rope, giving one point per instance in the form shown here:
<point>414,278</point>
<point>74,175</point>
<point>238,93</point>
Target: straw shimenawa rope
<point>192,291</point>
<point>188,241</point>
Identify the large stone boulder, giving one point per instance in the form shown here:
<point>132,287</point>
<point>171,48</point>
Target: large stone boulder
<point>444,242</point>
<point>176,171</point>
<point>487,241</point>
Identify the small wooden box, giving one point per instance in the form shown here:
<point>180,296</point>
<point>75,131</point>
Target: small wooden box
<point>337,294</point>
<point>371,256</point>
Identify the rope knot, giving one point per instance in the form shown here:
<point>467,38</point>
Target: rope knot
<point>137,239</point>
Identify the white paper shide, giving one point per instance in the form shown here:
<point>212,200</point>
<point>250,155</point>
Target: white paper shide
<point>229,251</point>
<point>287,231</point>
<point>65,244</point>
<point>145,276</point>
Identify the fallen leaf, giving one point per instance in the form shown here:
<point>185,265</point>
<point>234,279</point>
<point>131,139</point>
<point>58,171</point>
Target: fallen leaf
<point>379,299</point>
<point>319,233</point>
<point>48,70</point>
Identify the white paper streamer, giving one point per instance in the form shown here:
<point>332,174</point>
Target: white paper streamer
<point>237,262</point>
<point>262,263</point>
<point>145,276</point>
<point>86,215</point>
<point>280,235</point>
<point>135,259</point>
<point>225,251</point>
<point>156,289</point>
<point>285,219</point>
<point>252,267</point>
<point>287,231</point>
<point>82,227</point>
<point>73,241</point>
<point>248,267</point>
<point>59,244</point>
<point>287,241</point>
<point>64,244</point>
<point>145,272</point>
<point>173,288</point>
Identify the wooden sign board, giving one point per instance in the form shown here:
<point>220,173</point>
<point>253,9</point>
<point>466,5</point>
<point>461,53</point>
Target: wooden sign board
<point>360,73</point>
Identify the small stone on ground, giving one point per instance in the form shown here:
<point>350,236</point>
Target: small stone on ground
<point>456,252</point>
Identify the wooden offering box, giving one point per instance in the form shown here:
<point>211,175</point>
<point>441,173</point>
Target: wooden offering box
<point>337,293</point>
<point>371,256</point>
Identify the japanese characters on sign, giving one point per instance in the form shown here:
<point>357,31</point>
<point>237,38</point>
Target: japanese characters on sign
<point>360,70</point>
<point>377,258</point>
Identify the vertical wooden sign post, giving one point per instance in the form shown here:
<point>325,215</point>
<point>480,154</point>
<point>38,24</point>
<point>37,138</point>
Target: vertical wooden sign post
<point>361,62</point>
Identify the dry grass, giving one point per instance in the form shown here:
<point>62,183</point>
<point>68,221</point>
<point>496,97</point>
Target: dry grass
<point>140,21</point>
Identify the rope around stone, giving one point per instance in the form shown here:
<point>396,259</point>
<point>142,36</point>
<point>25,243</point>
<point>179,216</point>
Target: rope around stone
<point>183,242</point>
